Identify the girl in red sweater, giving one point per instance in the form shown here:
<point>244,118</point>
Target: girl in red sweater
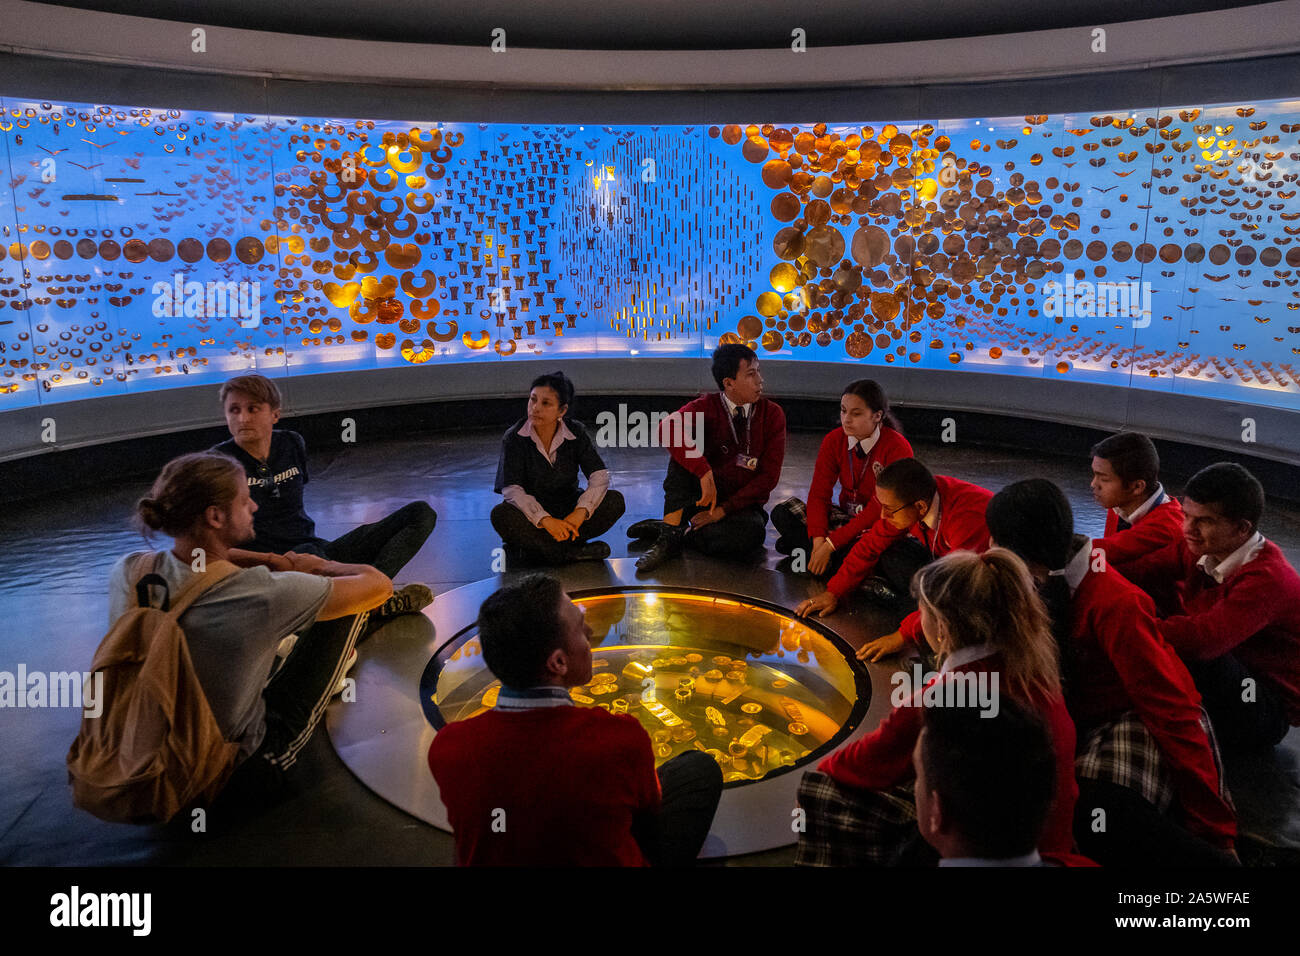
<point>868,438</point>
<point>982,616</point>
<point>1146,755</point>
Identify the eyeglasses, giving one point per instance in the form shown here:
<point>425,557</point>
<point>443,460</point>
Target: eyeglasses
<point>890,512</point>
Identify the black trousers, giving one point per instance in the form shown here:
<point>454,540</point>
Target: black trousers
<point>790,518</point>
<point>1239,724</point>
<point>517,532</point>
<point>387,544</point>
<point>1136,834</point>
<point>735,535</point>
<point>897,566</point>
<point>691,786</point>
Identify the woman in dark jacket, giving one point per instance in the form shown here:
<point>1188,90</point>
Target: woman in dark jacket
<point>545,517</point>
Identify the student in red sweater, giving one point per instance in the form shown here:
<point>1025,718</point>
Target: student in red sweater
<point>539,781</point>
<point>718,496</point>
<point>1146,754</point>
<point>1240,631</point>
<point>984,786</point>
<point>868,439</point>
<point>1140,516</point>
<point>983,618</point>
<point>923,517</point>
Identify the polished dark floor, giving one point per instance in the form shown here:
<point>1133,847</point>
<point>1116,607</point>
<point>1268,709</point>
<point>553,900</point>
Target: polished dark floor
<point>55,555</point>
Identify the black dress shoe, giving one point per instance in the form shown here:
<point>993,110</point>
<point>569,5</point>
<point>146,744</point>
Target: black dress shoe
<point>591,551</point>
<point>668,545</point>
<point>646,528</point>
<point>877,589</point>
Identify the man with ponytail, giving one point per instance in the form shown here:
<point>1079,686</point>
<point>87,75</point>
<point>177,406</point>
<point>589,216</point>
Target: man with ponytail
<point>234,628</point>
<point>1146,754</point>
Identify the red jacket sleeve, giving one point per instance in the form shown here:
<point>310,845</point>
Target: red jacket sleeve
<point>966,529</point>
<point>1248,605</point>
<point>881,759</point>
<point>826,472</point>
<point>758,489</point>
<point>1171,561</point>
<point>699,465</point>
<point>861,560</point>
<point>911,629</point>
<point>1167,701</point>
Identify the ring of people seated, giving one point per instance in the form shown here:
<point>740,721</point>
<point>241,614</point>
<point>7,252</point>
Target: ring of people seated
<point>734,639</point>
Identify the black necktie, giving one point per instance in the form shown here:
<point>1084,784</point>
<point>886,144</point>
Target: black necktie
<point>857,450</point>
<point>1121,524</point>
<point>739,418</point>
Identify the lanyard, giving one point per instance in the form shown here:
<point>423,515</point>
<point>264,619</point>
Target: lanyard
<point>855,475</point>
<point>731,422</point>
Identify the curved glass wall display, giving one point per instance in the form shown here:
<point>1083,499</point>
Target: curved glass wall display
<point>1153,246</point>
<point>758,690</point>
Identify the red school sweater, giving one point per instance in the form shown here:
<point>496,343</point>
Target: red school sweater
<point>1255,614</point>
<point>1158,528</point>
<point>1123,664</point>
<point>883,758</point>
<point>835,463</point>
<point>570,780</point>
<point>738,487</point>
<point>961,528</point>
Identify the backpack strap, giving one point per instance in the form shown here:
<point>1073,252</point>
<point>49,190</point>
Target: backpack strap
<point>146,568</point>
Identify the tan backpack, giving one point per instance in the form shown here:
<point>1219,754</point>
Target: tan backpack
<point>155,748</point>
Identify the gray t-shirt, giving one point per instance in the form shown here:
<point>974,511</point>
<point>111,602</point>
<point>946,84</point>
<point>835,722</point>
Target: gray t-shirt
<point>232,632</point>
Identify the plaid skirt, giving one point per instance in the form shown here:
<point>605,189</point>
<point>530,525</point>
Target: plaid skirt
<point>838,517</point>
<point>1124,753</point>
<point>844,826</point>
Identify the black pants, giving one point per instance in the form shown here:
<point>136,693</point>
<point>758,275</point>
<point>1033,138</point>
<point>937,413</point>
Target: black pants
<point>691,785</point>
<point>736,535</point>
<point>1136,834</point>
<point>296,698</point>
<point>1239,724</point>
<point>790,518</point>
<point>897,566</point>
<point>387,544</point>
<point>517,532</point>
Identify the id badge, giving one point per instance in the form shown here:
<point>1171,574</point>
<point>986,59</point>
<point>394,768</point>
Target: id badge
<point>747,461</point>
<point>853,508</point>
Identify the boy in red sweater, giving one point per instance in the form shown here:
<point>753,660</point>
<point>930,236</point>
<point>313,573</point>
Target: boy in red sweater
<point>1240,631</point>
<point>1140,516</point>
<point>923,517</point>
<point>718,496</point>
<point>539,781</point>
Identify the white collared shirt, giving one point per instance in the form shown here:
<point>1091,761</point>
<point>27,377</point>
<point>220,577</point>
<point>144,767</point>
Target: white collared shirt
<point>1076,569</point>
<point>1029,859</point>
<point>965,655</point>
<point>1222,570</point>
<point>866,443</point>
<point>562,434</point>
<point>1142,510</point>
<point>732,406</point>
<point>931,519</point>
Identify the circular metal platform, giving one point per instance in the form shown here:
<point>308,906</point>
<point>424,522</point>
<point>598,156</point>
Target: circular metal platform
<point>384,735</point>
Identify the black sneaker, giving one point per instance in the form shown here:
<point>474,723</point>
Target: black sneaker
<point>591,551</point>
<point>646,528</point>
<point>667,545</point>
<point>408,599</point>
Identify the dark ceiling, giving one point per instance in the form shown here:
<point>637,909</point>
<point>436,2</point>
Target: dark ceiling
<point>653,24</point>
